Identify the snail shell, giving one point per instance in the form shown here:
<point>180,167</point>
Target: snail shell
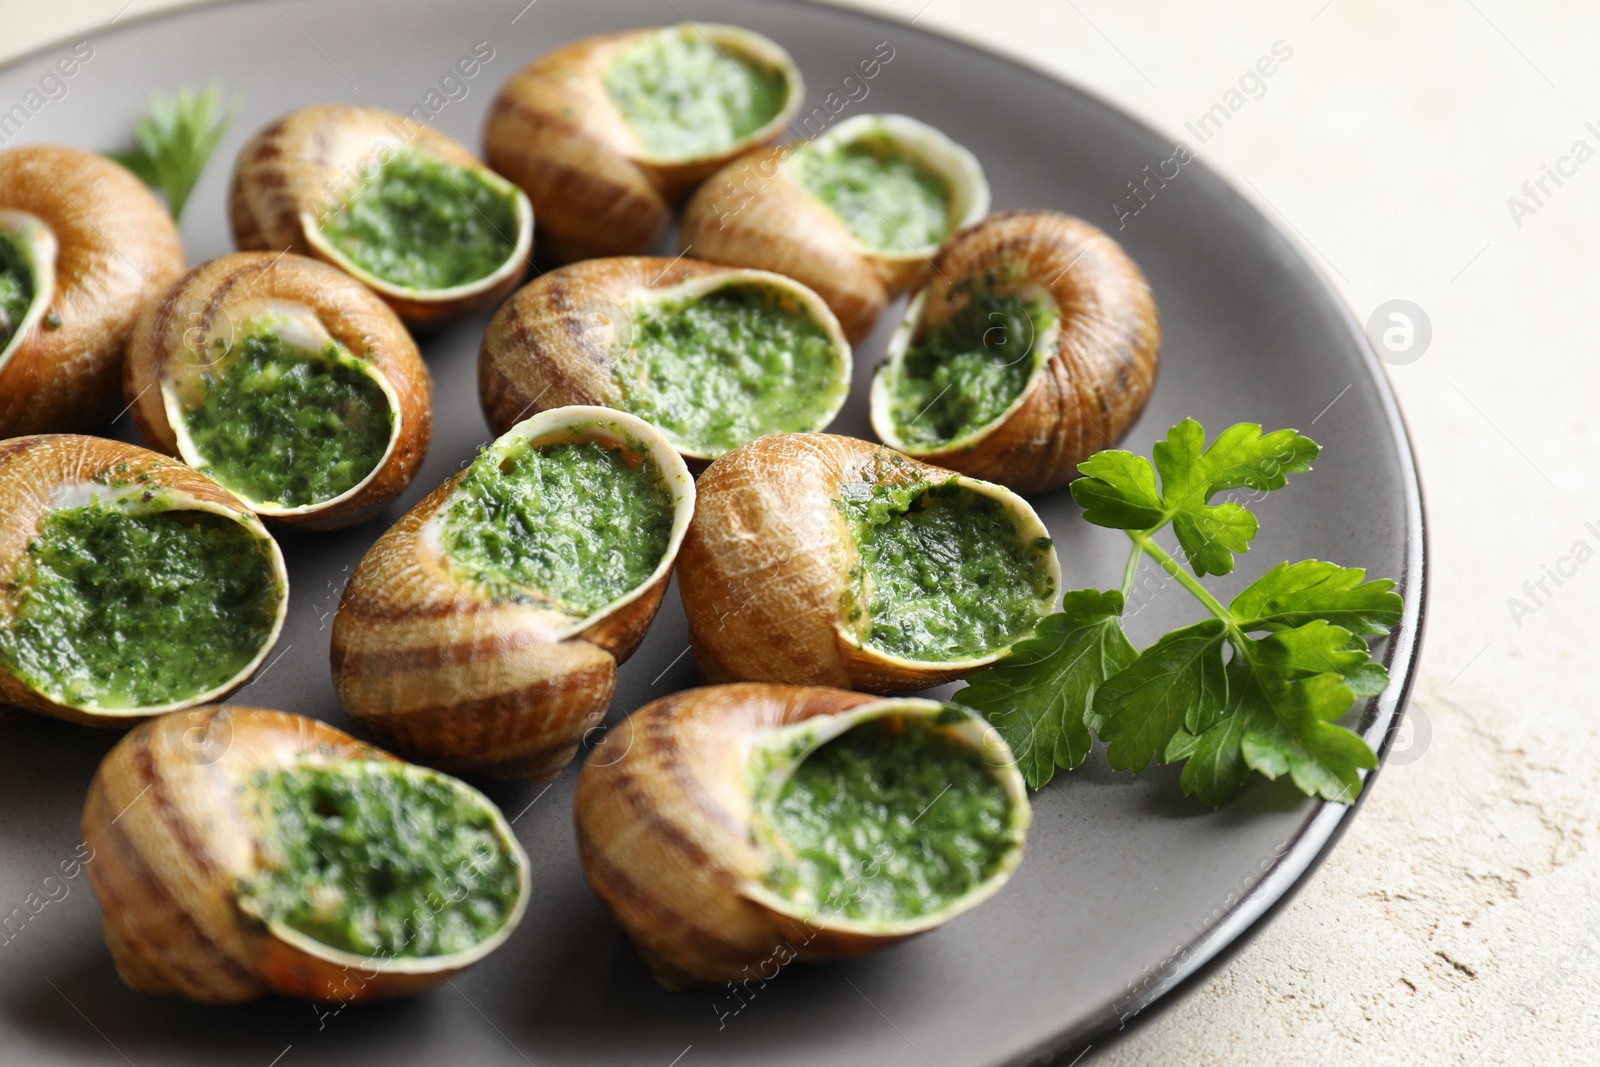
<point>756,213</point>
<point>556,341</point>
<point>196,323</point>
<point>168,866</point>
<point>765,572</point>
<point>1093,371</point>
<point>298,171</point>
<point>42,473</point>
<point>667,837</point>
<point>99,245</point>
<point>555,131</point>
<point>437,666</point>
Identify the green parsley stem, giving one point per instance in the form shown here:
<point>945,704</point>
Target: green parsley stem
<point>1143,542</point>
<point>1130,571</point>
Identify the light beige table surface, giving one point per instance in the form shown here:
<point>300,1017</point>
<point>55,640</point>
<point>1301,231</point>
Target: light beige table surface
<point>1459,919</point>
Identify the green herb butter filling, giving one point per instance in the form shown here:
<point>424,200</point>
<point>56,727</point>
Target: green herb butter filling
<point>574,525</point>
<point>715,371</point>
<point>120,610</point>
<point>962,374</point>
<point>890,821</point>
<point>281,425</point>
<point>424,224</point>
<point>16,288</point>
<point>381,859</point>
<point>944,572</point>
<point>889,200</point>
<point>685,97</point>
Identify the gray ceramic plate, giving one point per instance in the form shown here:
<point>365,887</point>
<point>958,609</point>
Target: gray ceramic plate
<point>1128,889</point>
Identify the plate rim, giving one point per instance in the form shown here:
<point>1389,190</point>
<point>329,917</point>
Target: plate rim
<point>1326,821</point>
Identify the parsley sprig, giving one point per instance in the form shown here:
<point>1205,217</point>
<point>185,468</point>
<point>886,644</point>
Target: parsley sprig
<point>175,141</point>
<point>1256,686</point>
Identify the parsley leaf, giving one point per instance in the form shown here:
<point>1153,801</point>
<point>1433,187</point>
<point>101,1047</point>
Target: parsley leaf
<point>1038,695</point>
<point>1119,488</point>
<point>1211,695</point>
<point>1292,593</point>
<point>1293,734</point>
<point>175,141</point>
<point>1176,682</point>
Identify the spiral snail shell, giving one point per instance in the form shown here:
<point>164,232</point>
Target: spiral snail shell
<point>856,213</point>
<point>1033,345</point>
<point>83,246</point>
<point>822,560</point>
<point>286,380</point>
<point>130,585</point>
<point>711,356</point>
<point>194,819</point>
<point>476,644</point>
<point>401,207</point>
<point>702,838</point>
<point>607,135</point>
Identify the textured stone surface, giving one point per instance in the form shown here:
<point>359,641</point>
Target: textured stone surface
<point>1458,921</point>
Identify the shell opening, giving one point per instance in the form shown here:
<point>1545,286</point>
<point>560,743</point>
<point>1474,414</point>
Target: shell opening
<point>280,413</point>
<point>699,90</point>
<point>950,572</point>
<point>899,185</point>
<point>567,511</point>
<point>129,601</point>
<point>416,226</point>
<point>952,376</point>
<point>381,859</point>
<point>895,815</point>
<point>28,252</point>
<point>725,358</point>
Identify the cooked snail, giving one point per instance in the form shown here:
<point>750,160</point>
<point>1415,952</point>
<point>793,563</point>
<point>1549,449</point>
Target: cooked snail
<point>129,584</point>
<point>824,560</point>
<point>288,382</point>
<point>745,826</point>
<point>83,245</point>
<point>406,210</point>
<point>608,134</point>
<point>240,852</point>
<point>856,213</point>
<point>711,356</point>
<point>484,630</point>
<point>1033,345</point>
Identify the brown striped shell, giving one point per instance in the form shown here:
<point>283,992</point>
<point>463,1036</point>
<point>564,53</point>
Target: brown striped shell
<point>665,812</point>
<point>766,568</point>
<point>101,245</point>
<point>438,667</point>
<point>39,474</point>
<point>755,213</point>
<point>173,838</point>
<point>555,132</point>
<point>555,342</point>
<point>296,172</point>
<point>193,326</point>
<point>1100,364</point>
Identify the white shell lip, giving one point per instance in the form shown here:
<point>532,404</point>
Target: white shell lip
<point>962,173</point>
<point>881,405</point>
<point>819,730</point>
<point>746,44</point>
<point>816,308</point>
<point>39,248</point>
<point>422,965</point>
<point>1029,528</point>
<point>168,500</point>
<point>299,326</point>
<point>612,428</point>
<point>514,265</point>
